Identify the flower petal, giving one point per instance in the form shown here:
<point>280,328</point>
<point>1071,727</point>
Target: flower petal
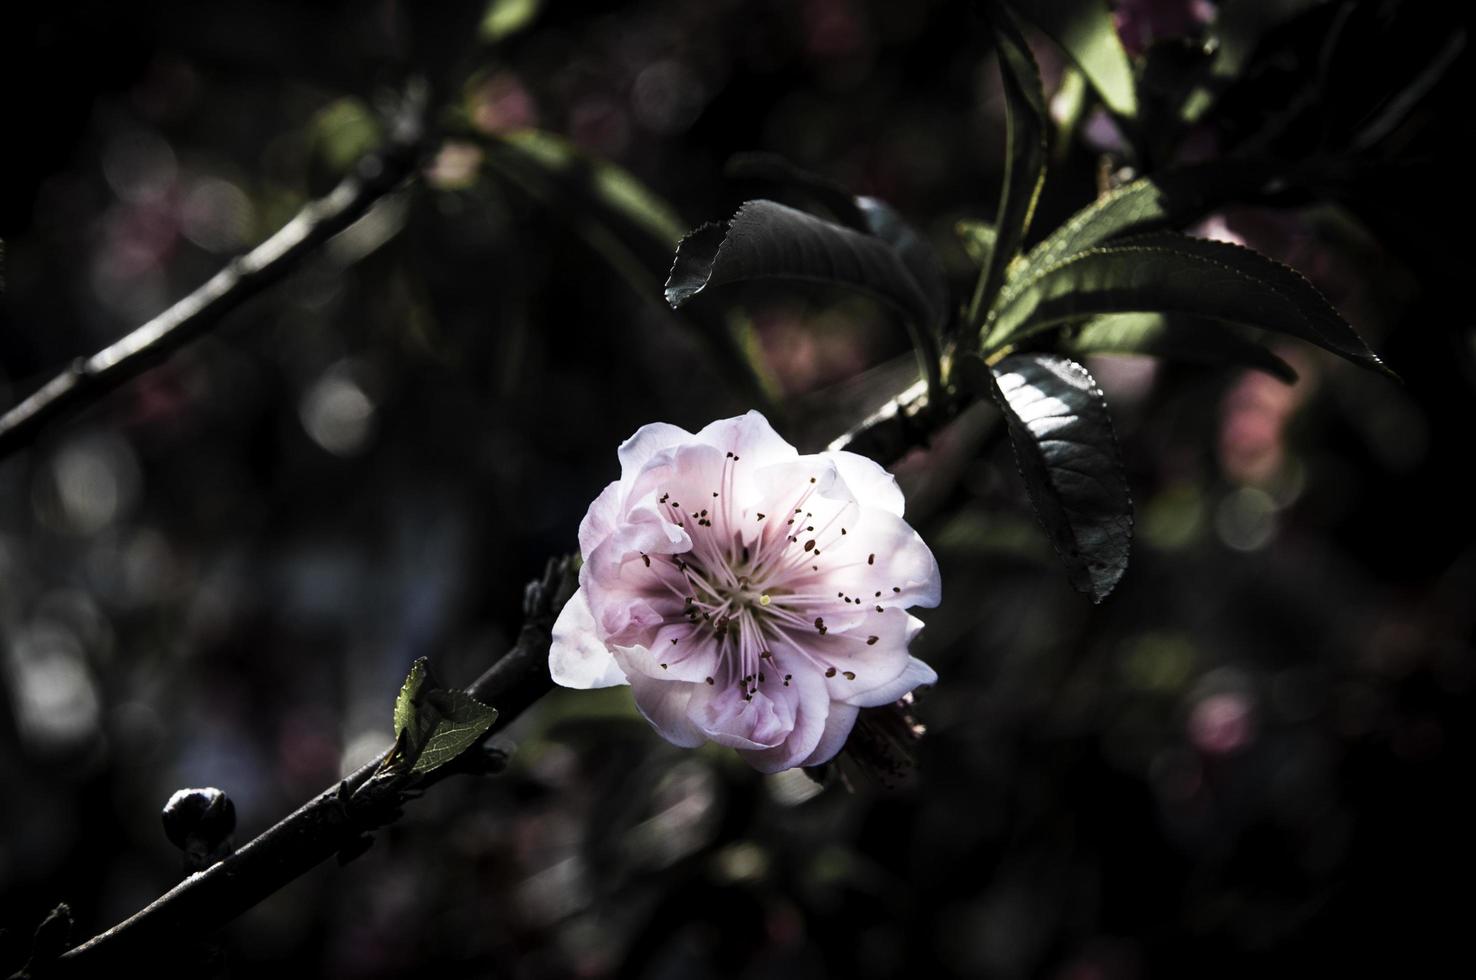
<point>812,713</point>
<point>916,674</point>
<point>869,483</point>
<point>692,658</point>
<point>576,657</point>
<point>861,658</point>
<point>601,520</point>
<point>762,721</point>
<point>838,727</point>
<point>647,441</point>
<point>750,437</point>
<point>664,705</point>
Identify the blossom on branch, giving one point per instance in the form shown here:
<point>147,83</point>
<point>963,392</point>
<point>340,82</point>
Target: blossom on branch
<point>750,596</point>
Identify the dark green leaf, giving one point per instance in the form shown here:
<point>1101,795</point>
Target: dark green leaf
<point>1184,338</point>
<point>1026,125</point>
<point>883,221</point>
<point>1068,457</point>
<point>1174,274</point>
<point>1084,30</point>
<point>869,214</point>
<point>771,168</point>
<point>433,725</point>
<point>765,240</point>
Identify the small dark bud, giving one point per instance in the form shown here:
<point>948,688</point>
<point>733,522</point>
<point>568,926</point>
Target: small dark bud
<point>200,823</point>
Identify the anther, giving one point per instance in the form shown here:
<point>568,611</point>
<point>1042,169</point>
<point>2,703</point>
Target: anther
<point>830,672</point>
<point>871,559</point>
<point>848,675</point>
<point>709,680</point>
<point>810,545</point>
<point>871,640</point>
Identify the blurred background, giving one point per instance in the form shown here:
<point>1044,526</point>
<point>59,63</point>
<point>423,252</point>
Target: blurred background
<point>1249,758</point>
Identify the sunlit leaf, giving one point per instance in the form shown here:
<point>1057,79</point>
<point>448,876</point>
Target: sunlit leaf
<point>1167,200</point>
<point>977,238</point>
<point>1084,30</point>
<point>433,725</point>
<point>505,18</point>
<point>1198,340</point>
<point>343,132</point>
<point>1068,457</point>
<point>1175,274</point>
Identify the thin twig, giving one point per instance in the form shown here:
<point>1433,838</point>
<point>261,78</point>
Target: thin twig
<point>333,822</point>
<point>89,378</point>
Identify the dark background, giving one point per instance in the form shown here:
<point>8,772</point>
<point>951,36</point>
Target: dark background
<point>1253,757</point>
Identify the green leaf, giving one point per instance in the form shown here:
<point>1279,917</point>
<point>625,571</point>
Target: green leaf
<point>407,702</point>
<point>504,18</point>
<point>977,238</point>
<point>433,725</point>
<point>1184,338</point>
<point>1170,199</point>
<point>1068,456</point>
<point>1175,274</point>
<point>1084,30</point>
<point>1026,125</point>
<point>343,132</point>
<point>766,240</point>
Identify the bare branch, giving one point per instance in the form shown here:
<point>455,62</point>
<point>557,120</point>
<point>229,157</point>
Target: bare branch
<point>333,822</point>
<point>89,378</point>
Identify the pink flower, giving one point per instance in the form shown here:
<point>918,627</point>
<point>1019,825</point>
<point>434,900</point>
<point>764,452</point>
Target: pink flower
<point>749,595</point>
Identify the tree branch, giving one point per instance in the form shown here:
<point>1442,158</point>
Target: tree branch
<point>89,378</point>
<point>333,822</point>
